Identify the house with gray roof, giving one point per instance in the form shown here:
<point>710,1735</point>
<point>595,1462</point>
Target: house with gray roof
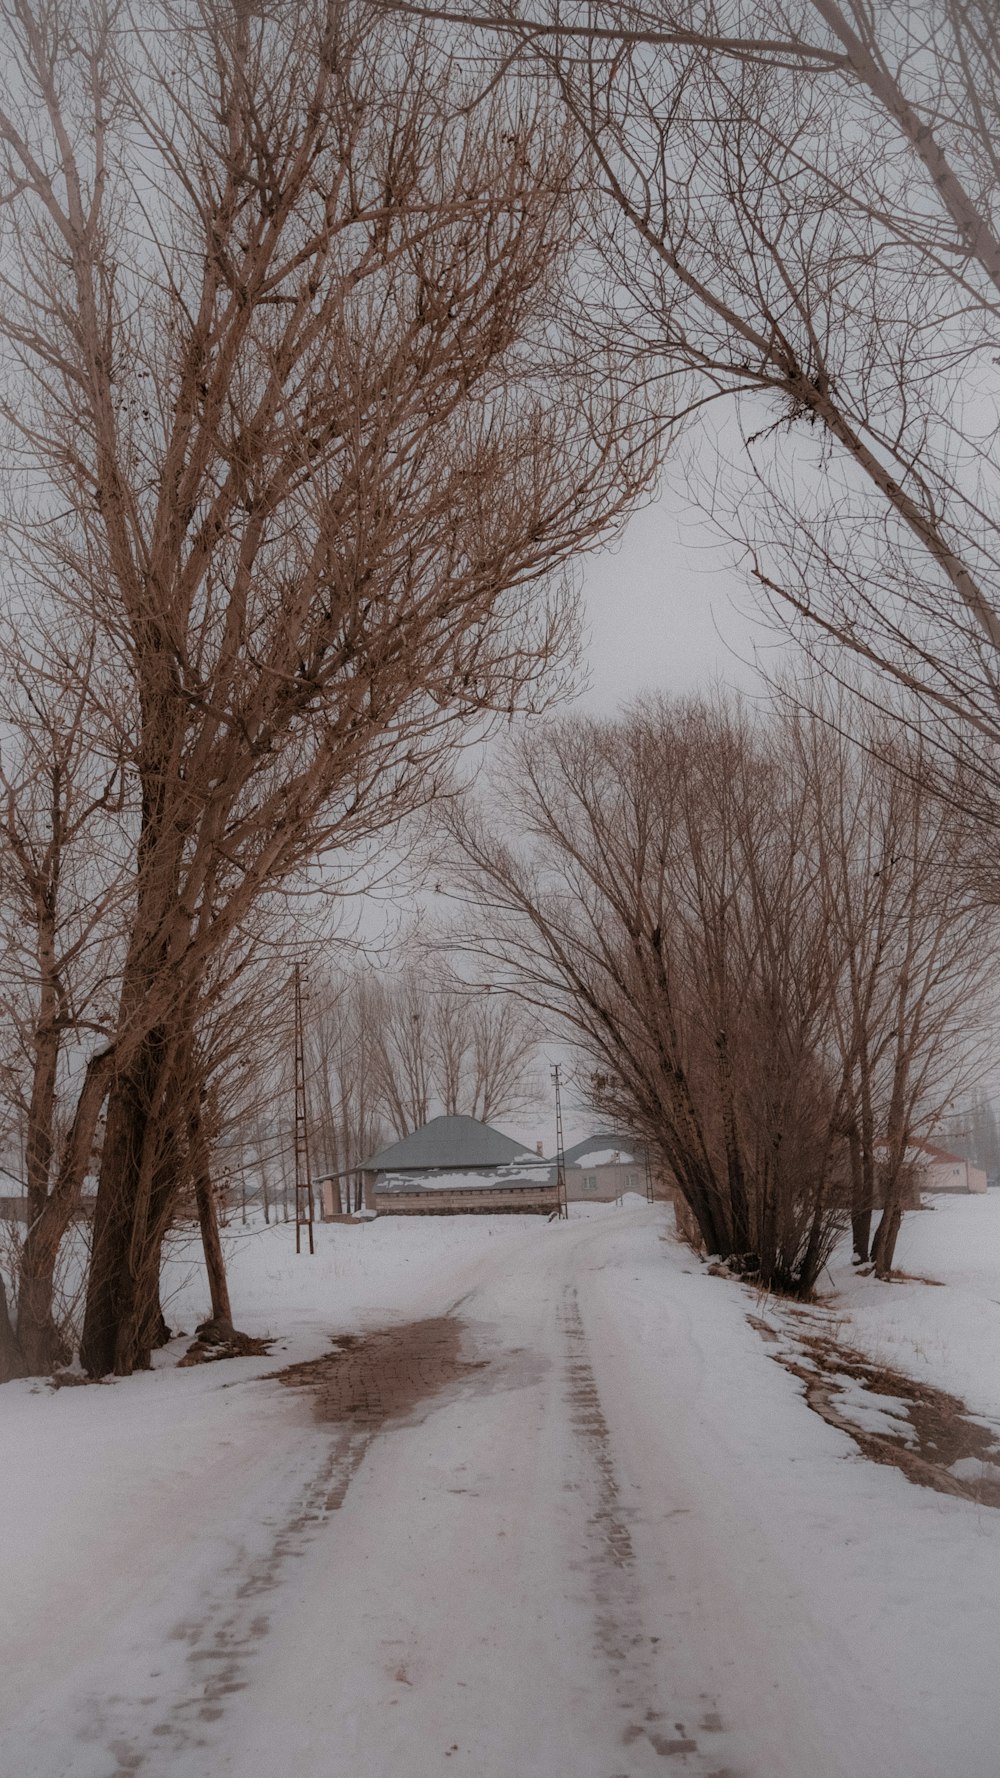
<point>458,1165</point>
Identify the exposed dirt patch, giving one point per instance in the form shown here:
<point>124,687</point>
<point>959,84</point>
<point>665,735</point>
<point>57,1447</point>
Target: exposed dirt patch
<point>931,1436</point>
<point>238,1345</point>
<point>371,1378</point>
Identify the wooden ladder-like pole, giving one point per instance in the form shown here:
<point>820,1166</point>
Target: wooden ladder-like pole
<point>303,1171</point>
<point>560,1148</point>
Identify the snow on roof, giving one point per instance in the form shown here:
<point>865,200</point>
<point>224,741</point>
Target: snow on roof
<point>603,1157</point>
<point>483,1179</point>
<point>457,1142</point>
<point>600,1150</point>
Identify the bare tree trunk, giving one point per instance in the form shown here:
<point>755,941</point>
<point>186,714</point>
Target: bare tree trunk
<point>812,1259</point>
<point>215,1264</point>
<point>142,1327</point>
<point>867,1204</point>
<point>123,1298</point>
<point>739,1214</point>
<point>11,1358</point>
<point>41,1343</point>
<point>862,1196</point>
<point>37,1334</point>
<point>42,1346</point>
<point>886,1236</point>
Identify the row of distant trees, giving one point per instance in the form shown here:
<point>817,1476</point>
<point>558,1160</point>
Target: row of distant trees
<point>974,1132</point>
<point>392,1049</point>
<point>387,1047</point>
<point>765,936</point>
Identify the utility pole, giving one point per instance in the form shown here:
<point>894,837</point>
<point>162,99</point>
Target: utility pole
<point>303,1174</point>
<point>563,1205</point>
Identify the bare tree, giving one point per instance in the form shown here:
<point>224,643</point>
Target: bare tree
<point>64,847</point>
<point>396,1046</point>
<point>292,419</point>
<point>666,917</point>
<point>348,1107</point>
<point>909,946</point>
<point>673,906</point>
<point>450,1047</point>
<point>240,1038</point>
<point>808,228</point>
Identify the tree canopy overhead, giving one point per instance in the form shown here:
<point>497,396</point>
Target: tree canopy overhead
<point>308,402</point>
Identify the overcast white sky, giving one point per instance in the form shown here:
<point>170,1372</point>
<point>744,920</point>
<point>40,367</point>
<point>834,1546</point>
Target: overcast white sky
<point>668,612</point>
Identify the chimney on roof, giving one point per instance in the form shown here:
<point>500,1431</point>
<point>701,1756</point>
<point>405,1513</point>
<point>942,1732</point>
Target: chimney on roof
<point>538,1148</point>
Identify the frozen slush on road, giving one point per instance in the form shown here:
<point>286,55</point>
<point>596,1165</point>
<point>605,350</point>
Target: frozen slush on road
<point>510,1500</point>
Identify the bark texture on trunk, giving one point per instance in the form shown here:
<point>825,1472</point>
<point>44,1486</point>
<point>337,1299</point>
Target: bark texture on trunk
<point>42,1344</point>
<point>11,1359</point>
<point>862,1197</point>
<point>215,1264</point>
<point>886,1236</point>
<point>861,1232</point>
<point>134,1199</point>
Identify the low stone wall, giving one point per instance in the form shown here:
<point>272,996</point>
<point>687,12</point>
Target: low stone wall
<point>521,1200</point>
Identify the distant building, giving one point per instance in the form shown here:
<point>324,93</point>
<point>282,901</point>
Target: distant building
<point>458,1165</point>
<point>940,1171</point>
<point>604,1167</point>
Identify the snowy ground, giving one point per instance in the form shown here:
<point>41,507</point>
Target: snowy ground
<point>621,1545</point>
<point>951,1336</point>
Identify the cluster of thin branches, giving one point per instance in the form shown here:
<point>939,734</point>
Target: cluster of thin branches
<point>395,1048</point>
<point>807,242</point>
<point>307,401</point>
<point>759,935</point>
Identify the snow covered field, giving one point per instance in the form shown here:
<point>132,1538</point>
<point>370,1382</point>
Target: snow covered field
<point>949,1337</point>
<point>619,1544</point>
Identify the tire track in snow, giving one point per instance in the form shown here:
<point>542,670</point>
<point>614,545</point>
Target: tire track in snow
<point>367,1381</point>
<point>630,1654</point>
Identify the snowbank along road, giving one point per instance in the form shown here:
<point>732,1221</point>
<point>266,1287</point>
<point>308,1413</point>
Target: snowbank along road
<point>560,1517</point>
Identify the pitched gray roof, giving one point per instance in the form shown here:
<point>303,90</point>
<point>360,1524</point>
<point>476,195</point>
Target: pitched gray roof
<point>448,1142</point>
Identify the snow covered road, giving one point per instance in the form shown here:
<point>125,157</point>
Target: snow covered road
<point>612,1543</point>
